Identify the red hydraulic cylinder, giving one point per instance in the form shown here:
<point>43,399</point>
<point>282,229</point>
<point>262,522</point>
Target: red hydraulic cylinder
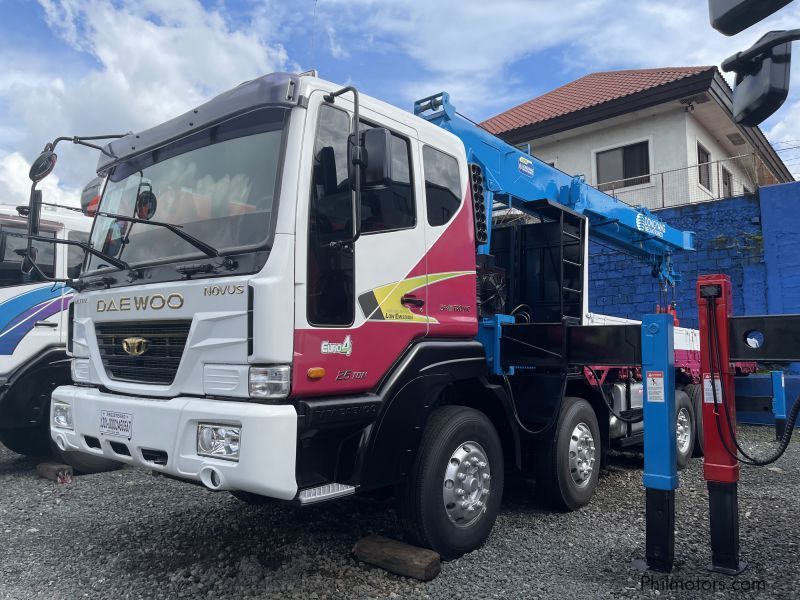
<point>719,464</point>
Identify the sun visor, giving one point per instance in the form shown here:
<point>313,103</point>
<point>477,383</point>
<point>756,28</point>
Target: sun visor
<point>272,89</point>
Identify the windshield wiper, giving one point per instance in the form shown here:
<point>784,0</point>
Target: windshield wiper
<point>206,249</point>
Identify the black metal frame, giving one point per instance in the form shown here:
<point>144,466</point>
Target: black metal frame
<point>781,338</point>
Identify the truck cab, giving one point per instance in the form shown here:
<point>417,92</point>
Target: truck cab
<point>283,302</point>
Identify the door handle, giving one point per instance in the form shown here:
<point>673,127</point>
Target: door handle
<point>45,324</point>
<point>410,299</point>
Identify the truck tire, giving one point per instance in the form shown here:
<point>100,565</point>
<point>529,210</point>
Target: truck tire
<point>695,393</point>
<point>685,428</point>
<point>28,442</point>
<point>452,496</point>
<point>568,467</point>
<point>85,464</point>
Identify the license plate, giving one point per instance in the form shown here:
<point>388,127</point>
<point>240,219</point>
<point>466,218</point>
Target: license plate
<point>116,423</point>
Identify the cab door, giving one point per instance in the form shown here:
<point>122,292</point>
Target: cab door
<point>450,239</point>
<point>360,305</point>
<point>30,309</point>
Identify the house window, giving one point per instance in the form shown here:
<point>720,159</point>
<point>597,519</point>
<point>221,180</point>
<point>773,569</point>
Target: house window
<point>727,183</point>
<point>703,166</point>
<point>623,166</point>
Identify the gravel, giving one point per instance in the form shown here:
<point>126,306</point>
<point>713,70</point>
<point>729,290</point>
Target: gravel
<point>127,534</point>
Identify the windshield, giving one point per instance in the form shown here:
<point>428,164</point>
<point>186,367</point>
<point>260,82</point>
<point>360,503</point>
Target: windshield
<point>219,185</point>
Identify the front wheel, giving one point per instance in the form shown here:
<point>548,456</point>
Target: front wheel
<point>28,442</point>
<point>450,501</point>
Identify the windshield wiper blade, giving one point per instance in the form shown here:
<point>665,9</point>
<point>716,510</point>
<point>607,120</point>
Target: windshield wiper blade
<point>206,249</point>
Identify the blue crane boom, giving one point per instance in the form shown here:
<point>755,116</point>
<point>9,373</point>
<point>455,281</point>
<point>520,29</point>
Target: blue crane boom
<point>514,178</point>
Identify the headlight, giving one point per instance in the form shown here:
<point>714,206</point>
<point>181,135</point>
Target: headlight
<point>270,383</point>
<point>62,415</point>
<point>218,441</point>
<point>81,370</point>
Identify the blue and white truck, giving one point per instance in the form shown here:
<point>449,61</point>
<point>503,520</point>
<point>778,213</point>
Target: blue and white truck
<point>33,333</point>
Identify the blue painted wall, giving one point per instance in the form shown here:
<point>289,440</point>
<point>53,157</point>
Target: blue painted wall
<point>780,223</point>
<point>755,240</point>
<point>728,238</point>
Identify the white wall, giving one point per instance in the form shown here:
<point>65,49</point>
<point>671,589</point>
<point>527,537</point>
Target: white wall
<point>664,130</point>
<point>695,132</point>
<point>575,154</point>
<point>672,135</point>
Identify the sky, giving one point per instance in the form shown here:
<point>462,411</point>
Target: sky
<point>88,67</point>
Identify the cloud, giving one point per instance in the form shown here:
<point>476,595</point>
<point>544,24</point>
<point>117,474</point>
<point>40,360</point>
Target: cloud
<point>495,54</point>
<point>337,50</point>
<point>148,61</point>
<point>15,186</point>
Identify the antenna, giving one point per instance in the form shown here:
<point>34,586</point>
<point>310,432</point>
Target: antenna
<point>313,36</point>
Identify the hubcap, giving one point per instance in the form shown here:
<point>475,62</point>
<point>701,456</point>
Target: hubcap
<point>581,454</point>
<point>466,484</point>
<point>683,431</point>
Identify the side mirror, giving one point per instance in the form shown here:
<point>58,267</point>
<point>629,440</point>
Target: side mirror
<point>90,196</point>
<point>733,16</point>
<point>146,202</point>
<point>377,152</point>
<point>761,90</point>
<point>42,166</point>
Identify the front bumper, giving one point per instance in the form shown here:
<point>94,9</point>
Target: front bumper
<point>267,456</point>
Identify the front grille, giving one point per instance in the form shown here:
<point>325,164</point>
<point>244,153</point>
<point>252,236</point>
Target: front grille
<point>160,361</point>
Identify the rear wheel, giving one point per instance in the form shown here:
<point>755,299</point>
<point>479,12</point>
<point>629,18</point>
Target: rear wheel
<point>695,393</point>
<point>684,428</point>
<point>567,468</point>
<point>451,499</point>
<point>28,442</point>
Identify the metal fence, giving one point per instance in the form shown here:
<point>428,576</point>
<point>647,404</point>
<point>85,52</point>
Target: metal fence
<point>736,176</point>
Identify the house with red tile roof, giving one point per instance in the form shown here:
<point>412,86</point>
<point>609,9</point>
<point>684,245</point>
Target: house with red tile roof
<point>655,137</point>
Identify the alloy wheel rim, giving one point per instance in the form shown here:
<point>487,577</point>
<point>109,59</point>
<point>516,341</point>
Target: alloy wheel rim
<point>581,454</point>
<point>683,430</point>
<point>467,483</point>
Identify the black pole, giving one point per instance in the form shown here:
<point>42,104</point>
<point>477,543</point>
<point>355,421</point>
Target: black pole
<point>723,505</point>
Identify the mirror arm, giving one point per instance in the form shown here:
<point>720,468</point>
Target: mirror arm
<point>24,210</point>
<point>739,61</point>
<point>83,140</point>
<point>122,265</point>
<point>357,162</point>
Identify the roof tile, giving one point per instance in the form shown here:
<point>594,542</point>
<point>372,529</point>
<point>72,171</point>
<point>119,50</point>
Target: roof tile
<point>586,92</point>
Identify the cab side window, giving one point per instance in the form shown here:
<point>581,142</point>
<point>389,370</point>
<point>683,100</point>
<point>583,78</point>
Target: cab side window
<point>11,252</point>
<point>442,186</point>
<point>391,207</point>
<point>330,281</point>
